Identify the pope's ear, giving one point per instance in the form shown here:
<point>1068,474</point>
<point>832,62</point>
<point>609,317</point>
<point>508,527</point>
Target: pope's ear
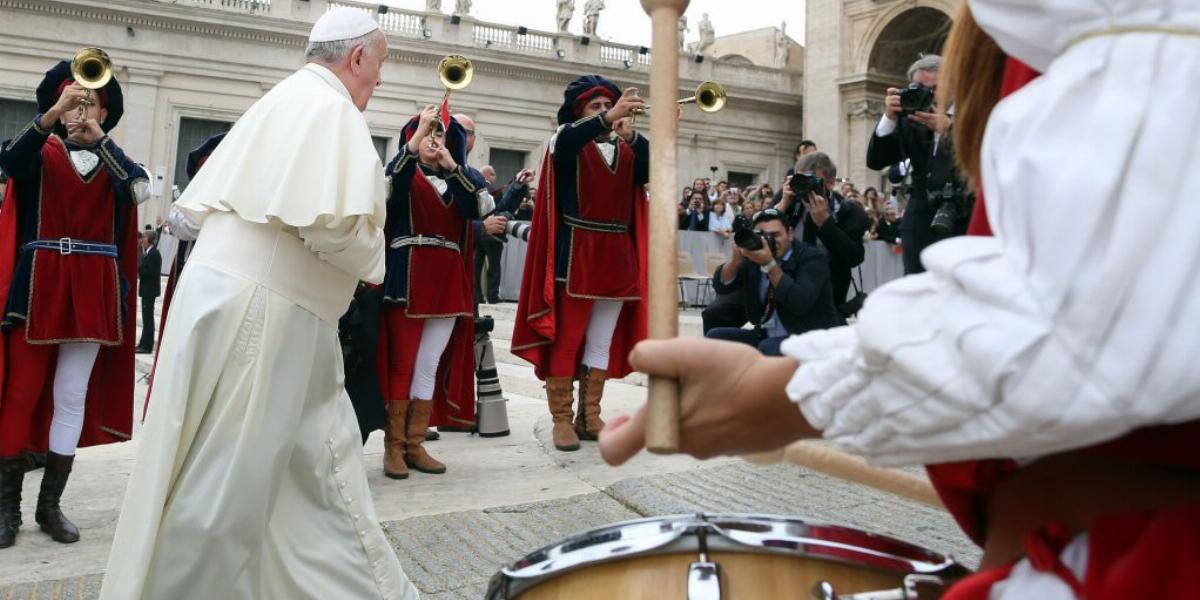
<point>356,57</point>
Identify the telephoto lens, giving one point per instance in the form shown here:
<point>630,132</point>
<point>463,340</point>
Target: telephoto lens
<point>747,239</point>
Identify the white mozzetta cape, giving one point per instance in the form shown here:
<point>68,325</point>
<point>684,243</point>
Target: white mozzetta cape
<point>333,191</point>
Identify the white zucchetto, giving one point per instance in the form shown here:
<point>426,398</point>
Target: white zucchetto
<point>342,23</point>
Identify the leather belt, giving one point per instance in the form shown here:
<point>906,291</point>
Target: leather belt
<point>595,225</point>
<point>425,240</point>
<point>66,246</point>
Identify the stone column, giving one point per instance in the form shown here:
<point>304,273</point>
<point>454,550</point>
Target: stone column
<point>140,87</point>
<point>822,69</point>
<point>862,107</point>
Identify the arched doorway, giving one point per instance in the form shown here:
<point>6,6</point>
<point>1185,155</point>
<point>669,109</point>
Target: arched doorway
<point>906,38</point>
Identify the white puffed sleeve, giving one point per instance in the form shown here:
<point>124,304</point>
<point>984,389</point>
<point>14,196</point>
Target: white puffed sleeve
<point>353,244</point>
<point>1075,324</point>
<point>964,362</point>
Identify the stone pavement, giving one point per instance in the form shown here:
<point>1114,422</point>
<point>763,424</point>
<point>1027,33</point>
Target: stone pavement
<point>501,498</point>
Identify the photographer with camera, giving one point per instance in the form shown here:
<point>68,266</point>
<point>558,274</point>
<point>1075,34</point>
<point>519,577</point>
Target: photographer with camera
<point>783,283</point>
<point>830,221</point>
<point>695,216</point>
<point>911,129</point>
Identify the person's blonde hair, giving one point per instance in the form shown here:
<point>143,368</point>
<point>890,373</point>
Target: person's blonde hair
<point>971,79</point>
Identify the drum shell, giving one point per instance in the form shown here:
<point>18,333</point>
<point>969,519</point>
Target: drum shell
<point>743,575</point>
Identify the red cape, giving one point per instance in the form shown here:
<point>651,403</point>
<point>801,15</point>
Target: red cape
<point>108,416</point>
<point>536,329</point>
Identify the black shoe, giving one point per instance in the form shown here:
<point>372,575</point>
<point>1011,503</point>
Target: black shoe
<point>12,476</point>
<point>494,300</point>
<point>143,350</point>
<point>432,434</point>
<point>49,516</point>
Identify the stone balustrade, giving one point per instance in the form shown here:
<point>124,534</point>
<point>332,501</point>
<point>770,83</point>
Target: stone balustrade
<point>467,32</point>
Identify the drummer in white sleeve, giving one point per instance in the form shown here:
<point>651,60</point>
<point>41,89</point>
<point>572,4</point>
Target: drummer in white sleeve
<point>1058,352</point>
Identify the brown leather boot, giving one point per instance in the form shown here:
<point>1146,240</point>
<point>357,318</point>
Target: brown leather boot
<point>418,423</point>
<point>591,388</point>
<point>394,440</point>
<point>558,394</point>
<point>48,515</point>
<point>12,476</point>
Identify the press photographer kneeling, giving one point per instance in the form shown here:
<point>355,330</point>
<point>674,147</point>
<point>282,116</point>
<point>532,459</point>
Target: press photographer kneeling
<point>784,284</point>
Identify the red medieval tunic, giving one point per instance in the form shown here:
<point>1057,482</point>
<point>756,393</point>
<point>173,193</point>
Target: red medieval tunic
<point>429,265</point>
<point>1147,554</point>
<point>588,243</point>
<point>78,290</point>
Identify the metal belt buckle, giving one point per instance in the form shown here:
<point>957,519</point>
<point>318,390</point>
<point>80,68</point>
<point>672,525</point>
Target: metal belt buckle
<point>64,246</point>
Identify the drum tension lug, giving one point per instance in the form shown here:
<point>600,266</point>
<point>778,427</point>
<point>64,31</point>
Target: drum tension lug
<point>704,576</point>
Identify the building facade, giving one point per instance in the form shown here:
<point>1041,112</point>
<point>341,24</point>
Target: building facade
<point>854,51</point>
<point>190,68</point>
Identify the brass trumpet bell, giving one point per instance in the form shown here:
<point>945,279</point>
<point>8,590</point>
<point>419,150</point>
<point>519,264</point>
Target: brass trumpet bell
<point>710,97</point>
<point>455,71</point>
<point>91,68</point>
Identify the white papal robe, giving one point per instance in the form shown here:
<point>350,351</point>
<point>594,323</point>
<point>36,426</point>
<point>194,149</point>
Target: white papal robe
<point>249,482</point>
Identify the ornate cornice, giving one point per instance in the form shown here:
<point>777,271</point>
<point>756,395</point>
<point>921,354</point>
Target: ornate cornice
<point>194,21</point>
<point>865,109</point>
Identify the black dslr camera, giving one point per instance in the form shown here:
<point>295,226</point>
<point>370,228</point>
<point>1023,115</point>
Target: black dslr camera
<point>916,98</point>
<point>949,210</point>
<point>750,240</point>
<point>803,184</point>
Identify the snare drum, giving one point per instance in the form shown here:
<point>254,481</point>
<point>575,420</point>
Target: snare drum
<point>721,556</point>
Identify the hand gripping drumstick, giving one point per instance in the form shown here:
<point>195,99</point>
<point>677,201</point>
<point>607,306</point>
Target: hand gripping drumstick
<point>852,468</point>
<point>662,405</point>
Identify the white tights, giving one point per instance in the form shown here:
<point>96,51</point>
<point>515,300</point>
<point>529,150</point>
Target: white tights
<point>435,335</point>
<point>601,326</point>
<point>71,378</point>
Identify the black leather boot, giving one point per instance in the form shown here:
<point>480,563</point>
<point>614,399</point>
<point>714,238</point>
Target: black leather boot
<point>48,515</point>
<point>12,476</point>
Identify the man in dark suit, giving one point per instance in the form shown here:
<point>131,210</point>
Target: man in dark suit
<point>784,292</point>
<point>923,139</point>
<point>830,221</point>
<point>149,272</point>
<point>695,216</point>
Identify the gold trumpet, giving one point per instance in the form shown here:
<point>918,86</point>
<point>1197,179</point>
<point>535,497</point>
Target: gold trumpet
<point>456,72</point>
<point>92,69</point>
<point>709,97</point>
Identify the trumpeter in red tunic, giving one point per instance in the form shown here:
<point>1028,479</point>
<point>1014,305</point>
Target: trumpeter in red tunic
<point>425,361</point>
<point>582,305</point>
<point>68,264</point>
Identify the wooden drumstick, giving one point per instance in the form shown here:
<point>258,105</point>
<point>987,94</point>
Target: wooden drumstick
<point>662,418</point>
<point>852,468</point>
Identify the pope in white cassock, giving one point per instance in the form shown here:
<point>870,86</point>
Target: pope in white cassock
<point>249,480</point>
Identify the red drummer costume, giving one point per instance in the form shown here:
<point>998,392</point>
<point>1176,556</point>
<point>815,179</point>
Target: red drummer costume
<point>1066,349</point>
<point>425,349</point>
<point>68,264</point>
<point>582,296</point>
<point>1127,553</point>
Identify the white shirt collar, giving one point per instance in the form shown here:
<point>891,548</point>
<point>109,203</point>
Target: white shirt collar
<point>329,78</point>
